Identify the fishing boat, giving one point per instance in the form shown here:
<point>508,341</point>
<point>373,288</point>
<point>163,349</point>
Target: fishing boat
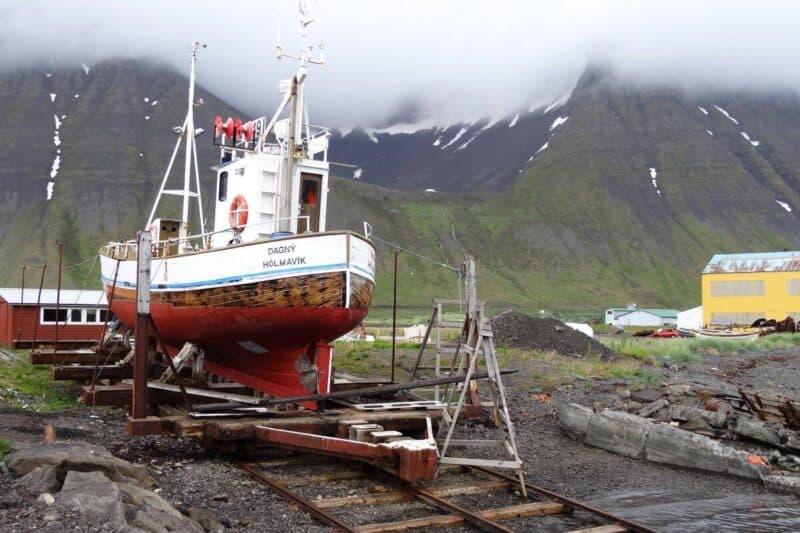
<point>726,334</point>
<point>264,292</point>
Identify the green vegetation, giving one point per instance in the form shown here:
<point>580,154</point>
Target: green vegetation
<point>548,370</point>
<point>30,387</point>
<point>692,350</point>
<point>5,447</point>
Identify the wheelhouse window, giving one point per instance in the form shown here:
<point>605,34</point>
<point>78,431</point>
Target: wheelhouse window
<point>222,194</point>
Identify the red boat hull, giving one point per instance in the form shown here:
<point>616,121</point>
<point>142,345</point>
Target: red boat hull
<point>281,351</point>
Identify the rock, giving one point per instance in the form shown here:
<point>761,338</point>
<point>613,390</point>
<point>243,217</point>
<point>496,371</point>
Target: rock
<point>73,455</point>
<point>625,394</point>
<point>41,479</point>
<point>696,424</point>
<point>55,525</point>
<point>96,497</point>
<point>207,520</point>
<point>574,420</point>
<point>149,511</point>
<point>46,498</point>
<point>220,497</point>
<point>633,406</point>
<point>717,419</point>
<point>653,407</point>
<point>666,444</point>
<point>784,483</point>
<point>645,396</point>
<point>618,432</point>
<point>52,516</point>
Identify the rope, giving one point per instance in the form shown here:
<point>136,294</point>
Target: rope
<point>423,257</point>
<point>68,267</point>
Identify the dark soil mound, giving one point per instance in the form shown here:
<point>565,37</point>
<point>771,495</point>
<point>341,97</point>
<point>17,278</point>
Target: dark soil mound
<point>514,329</point>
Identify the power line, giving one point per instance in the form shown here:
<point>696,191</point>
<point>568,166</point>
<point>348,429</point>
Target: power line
<point>423,257</point>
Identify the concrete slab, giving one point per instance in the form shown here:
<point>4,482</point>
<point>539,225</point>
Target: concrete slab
<point>574,420</point>
<point>618,432</point>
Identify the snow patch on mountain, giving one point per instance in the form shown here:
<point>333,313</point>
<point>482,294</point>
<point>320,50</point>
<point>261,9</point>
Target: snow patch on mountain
<point>57,121</point>
<point>77,96</point>
<point>728,115</point>
<point>50,190</point>
<point>513,121</point>
<point>438,141</point>
<point>544,147</point>
<point>85,68</point>
<point>477,132</point>
<point>559,102</point>
<point>710,132</point>
<point>460,134</point>
<point>154,102</point>
<point>55,167</point>
<point>48,75</point>
<point>703,110</point>
<point>52,97</point>
<point>56,139</point>
<point>371,135</point>
<point>785,206</point>
<point>357,173</point>
<point>557,122</point>
<point>146,99</point>
<point>406,128</point>
<point>747,138</point>
<point>654,180</point>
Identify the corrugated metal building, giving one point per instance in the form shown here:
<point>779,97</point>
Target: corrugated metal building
<point>80,319</point>
<point>740,288</point>
<point>632,316</point>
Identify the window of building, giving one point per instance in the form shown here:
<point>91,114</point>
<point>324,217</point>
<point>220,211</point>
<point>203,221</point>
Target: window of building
<point>735,319</point>
<point>76,316</point>
<point>742,287</point>
<point>48,315</point>
<point>91,316</point>
<point>793,287</point>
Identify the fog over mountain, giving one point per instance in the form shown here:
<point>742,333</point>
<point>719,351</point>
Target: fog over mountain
<point>453,60</point>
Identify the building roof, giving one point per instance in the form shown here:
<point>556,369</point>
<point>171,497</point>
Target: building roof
<point>68,297</point>
<point>662,313</point>
<point>754,262</point>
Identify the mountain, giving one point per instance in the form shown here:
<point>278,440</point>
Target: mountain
<point>97,138</point>
<point>613,193</point>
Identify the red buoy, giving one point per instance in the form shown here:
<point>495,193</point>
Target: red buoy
<point>229,127</point>
<point>248,131</point>
<point>217,126</point>
<point>237,127</point>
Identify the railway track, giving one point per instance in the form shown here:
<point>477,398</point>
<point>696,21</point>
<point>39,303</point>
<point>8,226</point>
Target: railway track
<point>358,498</point>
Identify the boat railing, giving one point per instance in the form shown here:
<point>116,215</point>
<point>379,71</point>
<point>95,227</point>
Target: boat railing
<point>127,249</point>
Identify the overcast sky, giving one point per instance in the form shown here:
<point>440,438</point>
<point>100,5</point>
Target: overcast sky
<point>458,59</point>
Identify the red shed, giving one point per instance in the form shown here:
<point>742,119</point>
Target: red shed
<point>81,316</point>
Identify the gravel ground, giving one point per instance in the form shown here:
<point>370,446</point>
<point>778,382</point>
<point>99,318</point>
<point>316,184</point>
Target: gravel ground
<point>188,475</point>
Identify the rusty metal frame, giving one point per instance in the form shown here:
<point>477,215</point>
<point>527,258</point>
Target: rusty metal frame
<point>406,463</point>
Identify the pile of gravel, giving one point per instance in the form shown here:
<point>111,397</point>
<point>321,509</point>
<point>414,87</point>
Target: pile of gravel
<point>518,330</point>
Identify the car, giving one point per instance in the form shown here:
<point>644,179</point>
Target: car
<point>666,333</point>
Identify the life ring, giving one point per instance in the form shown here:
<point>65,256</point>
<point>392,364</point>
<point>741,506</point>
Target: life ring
<point>237,216</point>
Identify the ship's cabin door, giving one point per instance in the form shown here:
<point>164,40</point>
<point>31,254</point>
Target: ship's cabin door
<point>310,197</point>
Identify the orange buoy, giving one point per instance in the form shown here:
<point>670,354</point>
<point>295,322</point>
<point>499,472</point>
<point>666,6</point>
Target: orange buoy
<point>237,216</point>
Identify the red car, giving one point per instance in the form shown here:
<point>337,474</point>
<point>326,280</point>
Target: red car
<point>665,333</point>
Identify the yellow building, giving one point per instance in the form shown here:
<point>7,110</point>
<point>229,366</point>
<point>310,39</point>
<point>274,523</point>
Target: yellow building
<point>740,288</point>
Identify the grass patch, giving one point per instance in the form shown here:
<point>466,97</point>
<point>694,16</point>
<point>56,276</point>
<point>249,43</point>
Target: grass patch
<point>30,387</point>
<point>549,370</point>
<point>5,447</point>
<point>692,350</point>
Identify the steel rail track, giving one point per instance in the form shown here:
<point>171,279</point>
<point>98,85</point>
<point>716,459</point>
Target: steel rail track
<point>632,526</point>
<point>474,518</point>
<point>320,514</point>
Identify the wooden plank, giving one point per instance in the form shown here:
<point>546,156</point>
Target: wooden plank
<point>396,497</point>
<point>63,358</point>
<point>514,511</point>
<point>610,528</point>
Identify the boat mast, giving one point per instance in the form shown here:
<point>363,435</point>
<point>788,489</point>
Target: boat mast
<point>188,132</point>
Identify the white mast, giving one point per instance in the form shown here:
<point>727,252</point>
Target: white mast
<point>187,131</point>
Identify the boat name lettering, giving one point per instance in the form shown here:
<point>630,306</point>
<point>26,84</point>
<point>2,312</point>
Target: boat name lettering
<point>287,249</point>
<point>284,262</point>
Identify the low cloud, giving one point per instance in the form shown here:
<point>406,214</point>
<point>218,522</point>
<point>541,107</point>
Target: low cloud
<point>450,60</point>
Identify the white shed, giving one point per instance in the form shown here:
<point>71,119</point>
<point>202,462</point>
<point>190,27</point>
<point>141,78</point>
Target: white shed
<point>691,318</point>
<point>639,317</point>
